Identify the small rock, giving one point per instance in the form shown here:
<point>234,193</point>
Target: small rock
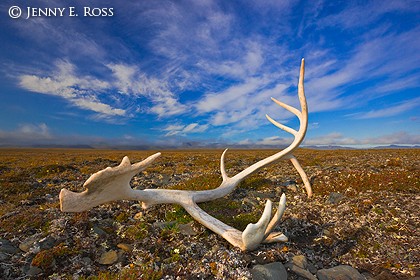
<point>368,276</point>
<point>86,261</point>
<point>7,247</point>
<point>261,195</point>
<point>99,231</point>
<point>47,243</point>
<point>289,183</point>
<point>187,229</point>
<point>269,271</point>
<point>34,271</point>
<point>29,242</point>
<point>3,256</point>
<point>125,247</point>
<point>293,188</point>
<point>215,249</point>
<point>300,271</point>
<point>252,202</point>
<point>341,272</point>
<point>300,261</point>
<point>320,265</point>
<point>334,197</point>
<point>109,257</point>
<point>328,233</point>
<point>312,269</point>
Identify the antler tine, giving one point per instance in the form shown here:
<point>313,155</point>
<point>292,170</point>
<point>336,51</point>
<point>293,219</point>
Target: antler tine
<point>222,166</point>
<point>282,126</point>
<point>289,108</point>
<point>302,115</point>
<point>276,218</point>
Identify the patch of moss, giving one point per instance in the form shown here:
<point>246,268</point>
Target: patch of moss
<point>204,182</point>
<point>122,217</point>
<point>230,212</point>
<point>144,272</point>
<point>26,221</point>
<point>135,232</point>
<point>46,258</point>
<point>256,183</point>
<point>178,214</point>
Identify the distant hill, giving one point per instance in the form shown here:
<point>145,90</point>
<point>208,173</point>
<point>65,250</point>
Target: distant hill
<point>334,147</point>
<point>396,147</point>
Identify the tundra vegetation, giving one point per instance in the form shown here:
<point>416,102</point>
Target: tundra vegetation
<point>364,212</point>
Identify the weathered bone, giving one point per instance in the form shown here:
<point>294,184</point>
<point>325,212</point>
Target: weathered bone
<point>113,184</point>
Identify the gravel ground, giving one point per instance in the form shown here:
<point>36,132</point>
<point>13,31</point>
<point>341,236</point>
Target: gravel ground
<point>364,213</point>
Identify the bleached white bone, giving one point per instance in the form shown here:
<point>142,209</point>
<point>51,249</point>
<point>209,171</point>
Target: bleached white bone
<point>113,184</point>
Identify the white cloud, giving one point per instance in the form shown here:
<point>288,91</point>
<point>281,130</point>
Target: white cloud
<point>246,63</point>
<point>390,111</point>
<point>357,15</point>
<point>183,130</point>
<point>84,92</point>
<point>125,76</point>
<point>40,130</point>
<point>397,138</point>
<point>274,141</point>
<point>232,68</point>
<point>245,105</point>
<point>27,132</point>
<point>81,92</point>
<point>131,81</point>
<point>333,138</point>
<point>401,137</point>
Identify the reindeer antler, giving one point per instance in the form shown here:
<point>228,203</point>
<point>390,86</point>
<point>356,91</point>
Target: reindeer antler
<point>113,184</point>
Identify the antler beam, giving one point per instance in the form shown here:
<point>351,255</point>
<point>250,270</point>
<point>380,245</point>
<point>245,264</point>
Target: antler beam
<point>113,184</point>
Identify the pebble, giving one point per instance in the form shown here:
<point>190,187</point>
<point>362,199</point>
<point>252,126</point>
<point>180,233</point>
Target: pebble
<point>99,231</point>
<point>341,272</point>
<point>108,258</point>
<point>125,247</point>
<point>335,197</point>
<point>3,256</point>
<point>301,261</point>
<point>300,266</point>
<point>292,188</point>
<point>252,202</point>
<point>33,271</point>
<point>86,261</point>
<point>312,269</point>
<point>187,229</point>
<point>7,247</point>
<point>29,242</point>
<point>300,271</point>
<point>46,243</point>
<point>271,271</point>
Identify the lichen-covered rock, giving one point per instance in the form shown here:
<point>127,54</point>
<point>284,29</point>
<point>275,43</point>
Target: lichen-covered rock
<point>300,271</point>
<point>7,247</point>
<point>271,271</point>
<point>341,272</point>
<point>300,260</point>
<point>108,258</point>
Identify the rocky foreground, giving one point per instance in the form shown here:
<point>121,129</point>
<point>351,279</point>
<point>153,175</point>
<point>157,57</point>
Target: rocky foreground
<point>362,223</point>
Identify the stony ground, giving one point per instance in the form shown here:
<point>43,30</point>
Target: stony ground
<point>364,213</point>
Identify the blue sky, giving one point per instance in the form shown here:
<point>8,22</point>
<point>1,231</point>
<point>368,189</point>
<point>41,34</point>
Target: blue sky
<point>202,72</point>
